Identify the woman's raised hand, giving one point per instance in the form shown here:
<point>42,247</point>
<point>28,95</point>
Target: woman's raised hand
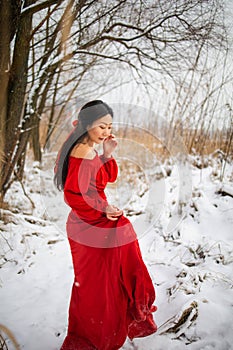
<point>109,145</point>
<point>113,213</point>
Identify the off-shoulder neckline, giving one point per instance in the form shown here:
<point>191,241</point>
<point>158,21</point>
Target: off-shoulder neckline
<point>96,154</point>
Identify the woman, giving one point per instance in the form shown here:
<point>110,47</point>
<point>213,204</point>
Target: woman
<point>112,293</point>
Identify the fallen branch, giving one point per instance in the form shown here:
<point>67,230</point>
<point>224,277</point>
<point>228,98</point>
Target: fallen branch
<point>225,191</point>
<point>10,336</point>
<point>185,318</point>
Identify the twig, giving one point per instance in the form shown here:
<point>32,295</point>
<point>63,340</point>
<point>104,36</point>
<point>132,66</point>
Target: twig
<point>7,242</point>
<point>24,191</point>
<point>10,335</point>
<point>225,192</point>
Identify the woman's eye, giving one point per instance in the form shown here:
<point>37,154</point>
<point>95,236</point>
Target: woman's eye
<point>104,127</point>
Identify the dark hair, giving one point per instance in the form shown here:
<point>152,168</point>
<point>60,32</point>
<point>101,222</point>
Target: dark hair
<point>90,112</point>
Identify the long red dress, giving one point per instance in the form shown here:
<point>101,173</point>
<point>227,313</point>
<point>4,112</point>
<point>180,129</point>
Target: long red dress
<point>112,293</point>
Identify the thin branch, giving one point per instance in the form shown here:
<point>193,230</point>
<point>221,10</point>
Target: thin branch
<point>30,10</point>
<point>24,191</point>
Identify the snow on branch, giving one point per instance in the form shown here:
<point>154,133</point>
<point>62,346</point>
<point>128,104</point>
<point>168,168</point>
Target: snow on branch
<point>30,10</point>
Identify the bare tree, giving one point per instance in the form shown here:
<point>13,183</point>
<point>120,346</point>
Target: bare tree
<point>59,48</point>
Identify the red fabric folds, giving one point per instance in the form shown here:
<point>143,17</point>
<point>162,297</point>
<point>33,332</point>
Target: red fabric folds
<point>112,295</point>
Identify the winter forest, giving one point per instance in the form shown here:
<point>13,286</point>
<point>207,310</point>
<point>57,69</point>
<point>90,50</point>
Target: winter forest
<point>165,67</point>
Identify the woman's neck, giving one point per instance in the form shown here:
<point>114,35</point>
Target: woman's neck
<point>90,144</point>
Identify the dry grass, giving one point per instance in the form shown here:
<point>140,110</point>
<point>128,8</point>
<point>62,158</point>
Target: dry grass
<point>198,142</point>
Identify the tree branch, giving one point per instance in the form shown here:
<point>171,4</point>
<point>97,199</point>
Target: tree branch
<point>30,10</point>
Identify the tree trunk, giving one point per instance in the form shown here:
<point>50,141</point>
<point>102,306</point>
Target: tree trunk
<point>35,136</point>
<point>5,14</point>
<point>14,103</point>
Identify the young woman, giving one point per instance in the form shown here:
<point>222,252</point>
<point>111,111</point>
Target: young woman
<point>112,294</point>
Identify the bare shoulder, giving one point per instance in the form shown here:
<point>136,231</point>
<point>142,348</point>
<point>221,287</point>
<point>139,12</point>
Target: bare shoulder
<point>81,151</point>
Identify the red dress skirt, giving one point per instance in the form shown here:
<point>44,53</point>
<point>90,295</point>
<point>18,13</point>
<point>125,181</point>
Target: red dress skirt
<point>112,294</point>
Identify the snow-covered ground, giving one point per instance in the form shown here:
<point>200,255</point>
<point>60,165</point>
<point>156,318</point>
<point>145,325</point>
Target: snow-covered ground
<point>191,266</point>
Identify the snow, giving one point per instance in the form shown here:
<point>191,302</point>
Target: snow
<point>34,7</point>
<point>191,266</point>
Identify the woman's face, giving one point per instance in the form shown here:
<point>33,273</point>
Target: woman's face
<point>100,129</point>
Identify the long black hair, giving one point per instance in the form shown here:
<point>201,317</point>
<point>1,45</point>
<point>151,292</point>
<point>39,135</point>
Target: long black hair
<point>90,112</point>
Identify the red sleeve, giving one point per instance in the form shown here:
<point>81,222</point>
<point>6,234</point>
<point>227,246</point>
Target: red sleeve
<point>111,167</point>
<point>77,193</point>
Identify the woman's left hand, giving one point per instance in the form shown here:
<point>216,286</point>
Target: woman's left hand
<point>109,145</point>
<point>113,213</point>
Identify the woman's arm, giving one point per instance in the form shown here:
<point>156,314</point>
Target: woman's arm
<point>109,145</point>
<point>110,166</point>
<point>77,192</point>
